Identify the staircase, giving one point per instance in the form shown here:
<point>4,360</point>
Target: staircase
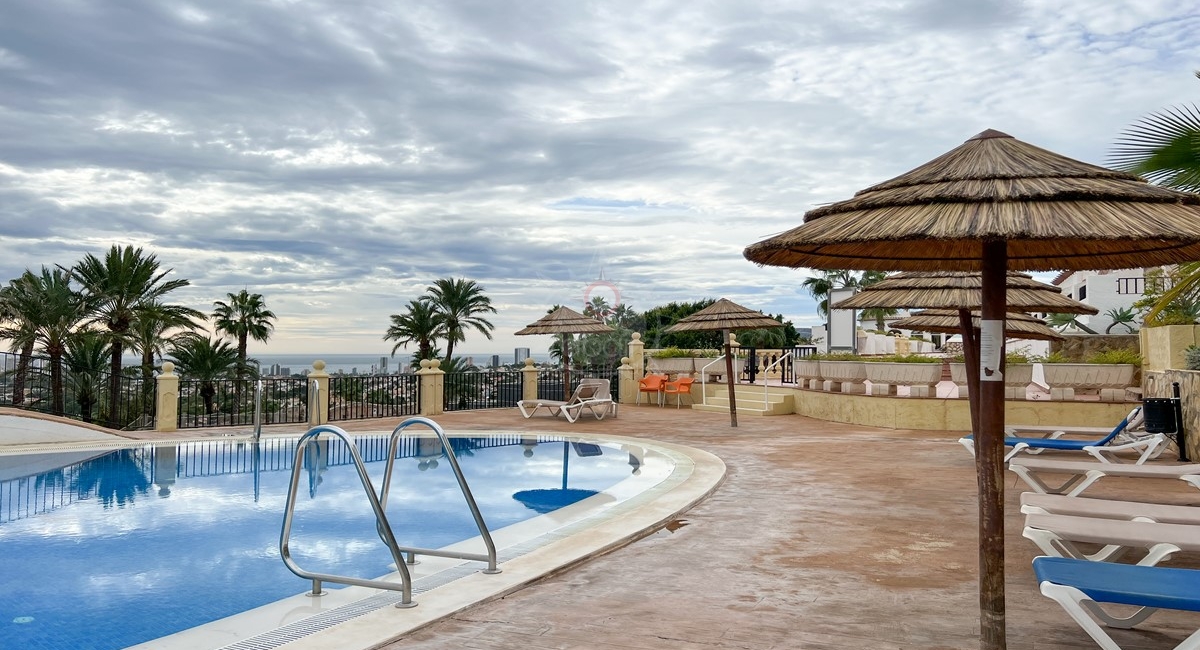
<point>779,401</point>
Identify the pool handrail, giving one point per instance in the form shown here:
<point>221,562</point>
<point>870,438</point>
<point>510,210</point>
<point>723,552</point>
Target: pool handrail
<point>258,398</point>
<point>384,528</point>
<point>704,379</point>
<point>314,397</point>
<point>393,448</point>
<point>766,395</point>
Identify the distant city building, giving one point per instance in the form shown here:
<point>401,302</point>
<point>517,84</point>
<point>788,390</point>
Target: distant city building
<point>383,365</point>
<point>520,355</point>
<point>495,361</point>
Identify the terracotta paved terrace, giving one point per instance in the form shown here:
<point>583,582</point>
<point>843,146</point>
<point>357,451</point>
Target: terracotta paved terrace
<point>822,536</point>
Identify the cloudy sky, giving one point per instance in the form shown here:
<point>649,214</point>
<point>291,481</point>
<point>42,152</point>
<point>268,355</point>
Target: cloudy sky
<point>337,157</point>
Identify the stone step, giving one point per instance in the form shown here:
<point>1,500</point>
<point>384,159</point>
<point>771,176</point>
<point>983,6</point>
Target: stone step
<point>784,405</point>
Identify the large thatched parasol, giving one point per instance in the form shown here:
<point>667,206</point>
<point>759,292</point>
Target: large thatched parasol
<point>565,321</point>
<point>1016,324</point>
<point>725,315</point>
<point>991,204</point>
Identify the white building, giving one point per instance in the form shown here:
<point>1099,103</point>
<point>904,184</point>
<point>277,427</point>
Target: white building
<point>1103,290</point>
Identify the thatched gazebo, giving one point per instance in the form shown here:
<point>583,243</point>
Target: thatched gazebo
<point>565,321</point>
<point>1016,324</point>
<point>725,315</point>
<point>991,204</point>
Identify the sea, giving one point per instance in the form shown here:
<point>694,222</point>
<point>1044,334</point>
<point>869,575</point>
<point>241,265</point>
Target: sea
<point>363,364</point>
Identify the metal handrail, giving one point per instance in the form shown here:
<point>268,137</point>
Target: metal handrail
<point>393,446</point>
<point>385,529</point>
<point>704,379</point>
<point>258,400</point>
<point>766,399</point>
<point>314,394</point>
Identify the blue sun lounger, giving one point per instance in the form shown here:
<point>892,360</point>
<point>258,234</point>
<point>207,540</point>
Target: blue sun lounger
<point>1079,584</point>
<point>1149,445</point>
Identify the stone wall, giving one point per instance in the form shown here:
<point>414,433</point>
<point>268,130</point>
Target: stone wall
<point>1158,384</point>
<point>1078,348</point>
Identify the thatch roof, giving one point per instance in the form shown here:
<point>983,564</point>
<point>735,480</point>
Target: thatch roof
<point>724,314</point>
<point>1054,213</point>
<point>958,289</point>
<point>565,320</point>
<point>1016,325</point>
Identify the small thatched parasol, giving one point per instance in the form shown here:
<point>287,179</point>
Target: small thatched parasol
<point>565,321</point>
<point>725,315</point>
<point>1016,324</point>
<point>991,204</point>
<point>961,290</point>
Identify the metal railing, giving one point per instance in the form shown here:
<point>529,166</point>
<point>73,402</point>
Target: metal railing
<point>550,382</point>
<point>361,397</point>
<point>756,358</point>
<point>84,393</point>
<point>481,390</point>
<point>766,395</point>
<point>704,379</point>
<point>379,505</point>
<point>283,400</point>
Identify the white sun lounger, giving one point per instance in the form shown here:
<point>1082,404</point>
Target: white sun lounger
<point>1082,474</point>
<point>592,395</point>
<point>1033,503</point>
<point>1059,534</point>
<point>1104,444</point>
<point>1079,585</point>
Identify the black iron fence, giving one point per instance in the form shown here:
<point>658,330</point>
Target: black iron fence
<point>360,397</point>
<point>756,362</point>
<point>481,390</point>
<point>550,382</point>
<point>230,402</point>
<point>85,393</point>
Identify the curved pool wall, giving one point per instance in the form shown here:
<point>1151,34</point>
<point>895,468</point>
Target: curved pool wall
<point>358,617</point>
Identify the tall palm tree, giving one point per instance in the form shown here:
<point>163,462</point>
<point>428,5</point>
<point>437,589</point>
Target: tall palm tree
<point>244,317</point>
<point>460,304</point>
<point>86,359</point>
<point>56,310</point>
<point>421,324</point>
<point>157,326</point>
<point>205,360</point>
<point>118,288</point>
<point>17,319</point>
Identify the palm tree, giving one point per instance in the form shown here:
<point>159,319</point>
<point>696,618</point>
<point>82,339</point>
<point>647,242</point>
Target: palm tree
<point>55,309</point>
<point>152,334</point>
<point>17,318</point>
<point>421,324</point>
<point>460,303</point>
<point>205,360</point>
<point>244,317</point>
<point>118,289</point>
<point>86,359</point>
<point>1064,321</point>
<point>1120,316</point>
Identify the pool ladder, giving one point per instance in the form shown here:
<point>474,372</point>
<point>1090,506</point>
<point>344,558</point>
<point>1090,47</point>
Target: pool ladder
<point>378,505</point>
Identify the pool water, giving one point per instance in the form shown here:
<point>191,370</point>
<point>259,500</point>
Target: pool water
<point>107,549</point>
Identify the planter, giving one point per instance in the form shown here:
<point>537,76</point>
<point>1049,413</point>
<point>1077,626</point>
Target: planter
<point>886,376</point>
<point>673,365</point>
<point>808,373</point>
<point>844,376</point>
<point>1107,380</point>
<point>1017,377</point>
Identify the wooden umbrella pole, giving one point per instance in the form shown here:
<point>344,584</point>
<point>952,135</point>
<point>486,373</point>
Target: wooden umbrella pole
<point>990,444</point>
<point>566,355</point>
<point>729,381</point>
<point>970,343</point>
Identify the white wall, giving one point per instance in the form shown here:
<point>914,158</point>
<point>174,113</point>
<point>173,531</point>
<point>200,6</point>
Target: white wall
<point>1101,291</point>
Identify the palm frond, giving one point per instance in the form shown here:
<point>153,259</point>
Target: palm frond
<point>1164,147</point>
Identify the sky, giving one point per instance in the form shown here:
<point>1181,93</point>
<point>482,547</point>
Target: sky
<point>338,157</point>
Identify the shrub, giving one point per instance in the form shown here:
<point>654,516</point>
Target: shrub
<point>1121,355</point>
<point>1191,357</point>
<point>671,353</point>
<point>836,356</point>
<point>1054,357</point>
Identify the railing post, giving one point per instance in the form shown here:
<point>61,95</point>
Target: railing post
<point>320,414</point>
<point>627,386</point>
<point>166,412</point>
<point>637,357</point>
<point>529,381</point>
<point>433,387</point>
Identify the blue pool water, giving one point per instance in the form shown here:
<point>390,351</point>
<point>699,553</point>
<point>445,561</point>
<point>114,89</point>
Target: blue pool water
<point>107,549</point>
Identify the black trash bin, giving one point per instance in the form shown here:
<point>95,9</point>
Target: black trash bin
<point>1159,413</point>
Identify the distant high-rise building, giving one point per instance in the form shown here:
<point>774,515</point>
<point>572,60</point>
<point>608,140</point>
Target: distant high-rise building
<point>520,355</point>
<point>495,361</point>
<point>383,365</point>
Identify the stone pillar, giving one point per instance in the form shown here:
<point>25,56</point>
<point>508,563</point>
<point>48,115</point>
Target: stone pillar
<point>166,412</point>
<point>319,414</point>
<point>637,356</point>
<point>433,387</point>
<point>627,386</point>
<point>529,381</point>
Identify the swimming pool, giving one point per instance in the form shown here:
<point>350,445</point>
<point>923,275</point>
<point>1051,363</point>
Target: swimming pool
<point>110,548</point>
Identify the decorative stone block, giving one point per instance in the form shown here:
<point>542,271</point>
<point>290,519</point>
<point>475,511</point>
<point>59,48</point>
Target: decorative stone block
<point>1062,394</point>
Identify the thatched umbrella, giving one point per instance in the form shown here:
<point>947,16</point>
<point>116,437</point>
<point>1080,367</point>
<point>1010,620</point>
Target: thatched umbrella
<point>565,321</point>
<point>725,315</point>
<point>962,291</point>
<point>1016,324</point>
<point>991,204</point>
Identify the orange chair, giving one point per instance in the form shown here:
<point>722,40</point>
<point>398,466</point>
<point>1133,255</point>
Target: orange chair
<point>678,388</point>
<point>651,384</point>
